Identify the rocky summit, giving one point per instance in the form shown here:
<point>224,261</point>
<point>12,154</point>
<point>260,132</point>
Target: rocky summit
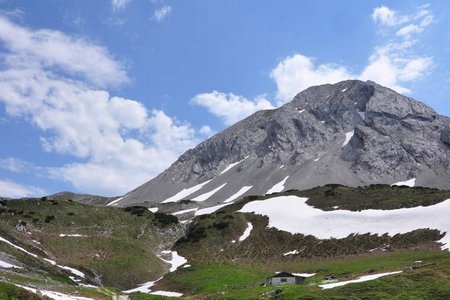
<point>352,133</point>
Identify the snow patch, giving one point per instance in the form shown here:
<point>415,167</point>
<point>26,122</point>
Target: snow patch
<point>343,90</point>
<point>247,232</point>
<point>293,252</point>
<point>71,270</point>
<point>176,260</point>
<point>279,187</point>
<point>53,295</point>
<point>348,136</point>
<point>317,159</point>
<point>181,212</point>
<point>360,279</point>
<point>166,294</point>
<point>242,191</point>
<point>18,247</point>
<point>153,209</point>
<point>231,166</point>
<point>300,111</point>
<point>185,192</point>
<point>210,210</point>
<point>206,196</point>
<point>292,214</point>
<point>6,265</point>
<point>304,274</point>
<point>410,183</point>
<point>186,266</point>
<point>114,202</point>
<point>143,288</point>
<point>72,235</point>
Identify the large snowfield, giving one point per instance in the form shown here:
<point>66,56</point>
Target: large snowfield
<point>292,214</point>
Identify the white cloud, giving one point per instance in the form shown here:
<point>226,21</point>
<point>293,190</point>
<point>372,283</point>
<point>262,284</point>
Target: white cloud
<point>295,73</point>
<point>161,13</point>
<point>229,107</point>
<point>388,17</point>
<point>11,189</point>
<point>393,64</point>
<point>206,130</point>
<point>119,4</point>
<point>422,19</point>
<point>16,165</point>
<point>130,162</point>
<point>119,143</point>
<point>52,49</point>
<point>15,13</point>
<point>408,30</point>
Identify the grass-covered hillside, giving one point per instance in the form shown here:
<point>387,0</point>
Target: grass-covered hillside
<point>112,247</point>
<point>118,248</point>
<point>225,268</point>
<point>212,235</point>
<point>425,275</point>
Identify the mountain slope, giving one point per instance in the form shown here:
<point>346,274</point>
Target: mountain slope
<point>91,244</point>
<point>353,133</point>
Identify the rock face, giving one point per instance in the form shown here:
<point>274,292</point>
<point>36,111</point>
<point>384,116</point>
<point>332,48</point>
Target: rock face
<point>352,133</point>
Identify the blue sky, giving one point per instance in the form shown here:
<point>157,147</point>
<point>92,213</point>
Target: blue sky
<point>100,96</point>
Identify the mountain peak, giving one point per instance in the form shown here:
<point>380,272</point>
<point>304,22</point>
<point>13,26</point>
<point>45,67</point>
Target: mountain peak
<point>352,132</point>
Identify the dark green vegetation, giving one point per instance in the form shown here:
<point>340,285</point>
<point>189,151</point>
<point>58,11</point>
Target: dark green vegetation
<point>209,238</point>
<point>376,196</point>
<point>12,292</point>
<point>112,240</point>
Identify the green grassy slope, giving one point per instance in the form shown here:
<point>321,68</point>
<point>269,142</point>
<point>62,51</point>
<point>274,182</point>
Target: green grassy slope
<point>12,292</point>
<point>429,280</point>
<point>118,247</point>
<point>113,241</point>
<point>223,269</point>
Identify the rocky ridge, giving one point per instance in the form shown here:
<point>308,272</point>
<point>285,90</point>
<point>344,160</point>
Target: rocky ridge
<point>352,133</point>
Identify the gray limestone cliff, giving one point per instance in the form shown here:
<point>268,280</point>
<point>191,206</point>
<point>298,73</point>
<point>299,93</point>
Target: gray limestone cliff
<point>352,132</point>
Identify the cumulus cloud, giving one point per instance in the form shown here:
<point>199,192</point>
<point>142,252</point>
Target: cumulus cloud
<point>206,131</point>
<point>49,48</point>
<point>393,64</point>
<point>118,142</point>
<point>229,107</point>
<point>295,73</point>
<point>162,13</point>
<point>387,17</point>
<point>12,189</point>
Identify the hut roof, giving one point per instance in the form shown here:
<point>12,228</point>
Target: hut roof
<point>283,274</point>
